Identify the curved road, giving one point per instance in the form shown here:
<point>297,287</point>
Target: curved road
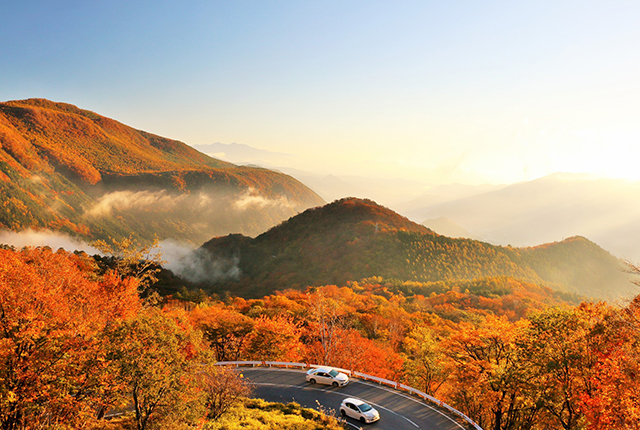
<point>398,410</point>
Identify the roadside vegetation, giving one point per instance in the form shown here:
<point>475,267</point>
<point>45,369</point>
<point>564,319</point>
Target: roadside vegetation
<point>255,414</point>
<point>78,342</point>
<point>260,415</point>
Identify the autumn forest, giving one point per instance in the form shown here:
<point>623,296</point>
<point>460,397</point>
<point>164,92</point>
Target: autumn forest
<point>78,341</point>
<point>531,338</point>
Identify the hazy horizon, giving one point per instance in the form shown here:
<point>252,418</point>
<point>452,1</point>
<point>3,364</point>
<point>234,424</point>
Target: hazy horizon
<point>460,92</point>
<point>276,160</point>
<point>419,106</point>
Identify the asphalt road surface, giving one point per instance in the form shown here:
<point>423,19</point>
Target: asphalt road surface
<point>398,410</point>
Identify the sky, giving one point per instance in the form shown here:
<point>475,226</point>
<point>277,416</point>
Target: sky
<point>434,91</point>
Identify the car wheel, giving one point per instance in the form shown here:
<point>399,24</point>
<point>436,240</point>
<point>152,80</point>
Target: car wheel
<point>335,384</point>
<point>343,413</point>
<point>363,420</point>
<point>313,381</point>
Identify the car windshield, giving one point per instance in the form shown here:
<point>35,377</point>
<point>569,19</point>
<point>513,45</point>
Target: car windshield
<point>333,373</point>
<point>365,407</point>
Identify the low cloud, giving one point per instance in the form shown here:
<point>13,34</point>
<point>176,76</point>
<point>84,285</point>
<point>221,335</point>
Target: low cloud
<point>193,264</point>
<point>251,199</point>
<point>131,200</point>
<point>198,265</point>
<point>54,240</point>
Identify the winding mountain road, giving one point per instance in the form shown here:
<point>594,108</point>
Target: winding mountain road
<point>398,410</point>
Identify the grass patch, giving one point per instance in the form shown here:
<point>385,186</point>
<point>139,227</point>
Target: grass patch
<point>261,415</point>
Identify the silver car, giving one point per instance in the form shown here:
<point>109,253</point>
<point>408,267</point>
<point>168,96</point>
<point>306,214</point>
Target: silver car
<point>359,410</point>
<point>328,376</point>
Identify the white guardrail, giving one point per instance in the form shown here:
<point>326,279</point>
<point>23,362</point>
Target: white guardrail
<point>364,376</point>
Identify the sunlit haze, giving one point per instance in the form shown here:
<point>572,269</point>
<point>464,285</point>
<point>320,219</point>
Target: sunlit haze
<point>437,92</point>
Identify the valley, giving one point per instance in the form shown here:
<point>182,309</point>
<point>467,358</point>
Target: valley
<point>276,274</point>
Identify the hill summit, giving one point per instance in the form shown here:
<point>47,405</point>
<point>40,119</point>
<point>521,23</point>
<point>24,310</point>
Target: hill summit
<point>351,239</point>
<point>67,169</point>
<point>349,217</point>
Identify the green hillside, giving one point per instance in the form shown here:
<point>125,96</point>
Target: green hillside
<point>351,239</point>
<point>71,170</point>
<point>578,262</point>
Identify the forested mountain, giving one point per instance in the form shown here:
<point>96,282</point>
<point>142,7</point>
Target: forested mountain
<point>509,354</point>
<point>71,170</point>
<point>351,239</point>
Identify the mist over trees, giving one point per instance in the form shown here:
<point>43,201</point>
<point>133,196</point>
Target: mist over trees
<point>507,335</point>
<point>351,239</point>
<point>78,341</point>
<point>73,171</point>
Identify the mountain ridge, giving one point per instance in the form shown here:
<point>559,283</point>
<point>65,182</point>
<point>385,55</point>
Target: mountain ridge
<point>58,163</point>
<point>552,207</point>
<point>351,239</point>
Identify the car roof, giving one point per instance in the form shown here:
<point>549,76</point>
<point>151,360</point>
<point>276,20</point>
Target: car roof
<point>356,402</point>
<point>323,369</point>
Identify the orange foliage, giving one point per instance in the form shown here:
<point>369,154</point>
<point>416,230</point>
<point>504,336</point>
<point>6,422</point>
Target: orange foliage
<point>488,377</point>
<point>613,401</point>
<point>356,352</point>
<point>61,151</point>
<point>225,329</point>
<point>274,338</point>
<point>156,361</point>
<point>51,312</point>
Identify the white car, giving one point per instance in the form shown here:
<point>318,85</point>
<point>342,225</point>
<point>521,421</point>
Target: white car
<point>359,410</point>
<point>328,376</point>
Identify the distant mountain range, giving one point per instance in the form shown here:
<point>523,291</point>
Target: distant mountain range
<point>417,207</point>
<point>607,211</point>
<point>523,214</point>
<point>352,239</point>
<point>239,153</point>
<point>71,170</point>
<point>388,191</point>
<point>446,227</point>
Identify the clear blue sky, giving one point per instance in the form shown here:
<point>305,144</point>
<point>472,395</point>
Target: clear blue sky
<point>446,91</point>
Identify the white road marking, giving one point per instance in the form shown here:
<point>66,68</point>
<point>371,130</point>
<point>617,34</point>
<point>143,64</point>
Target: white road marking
<point>397,393</point>
<point>380,386</point>
<point>339,394</point>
